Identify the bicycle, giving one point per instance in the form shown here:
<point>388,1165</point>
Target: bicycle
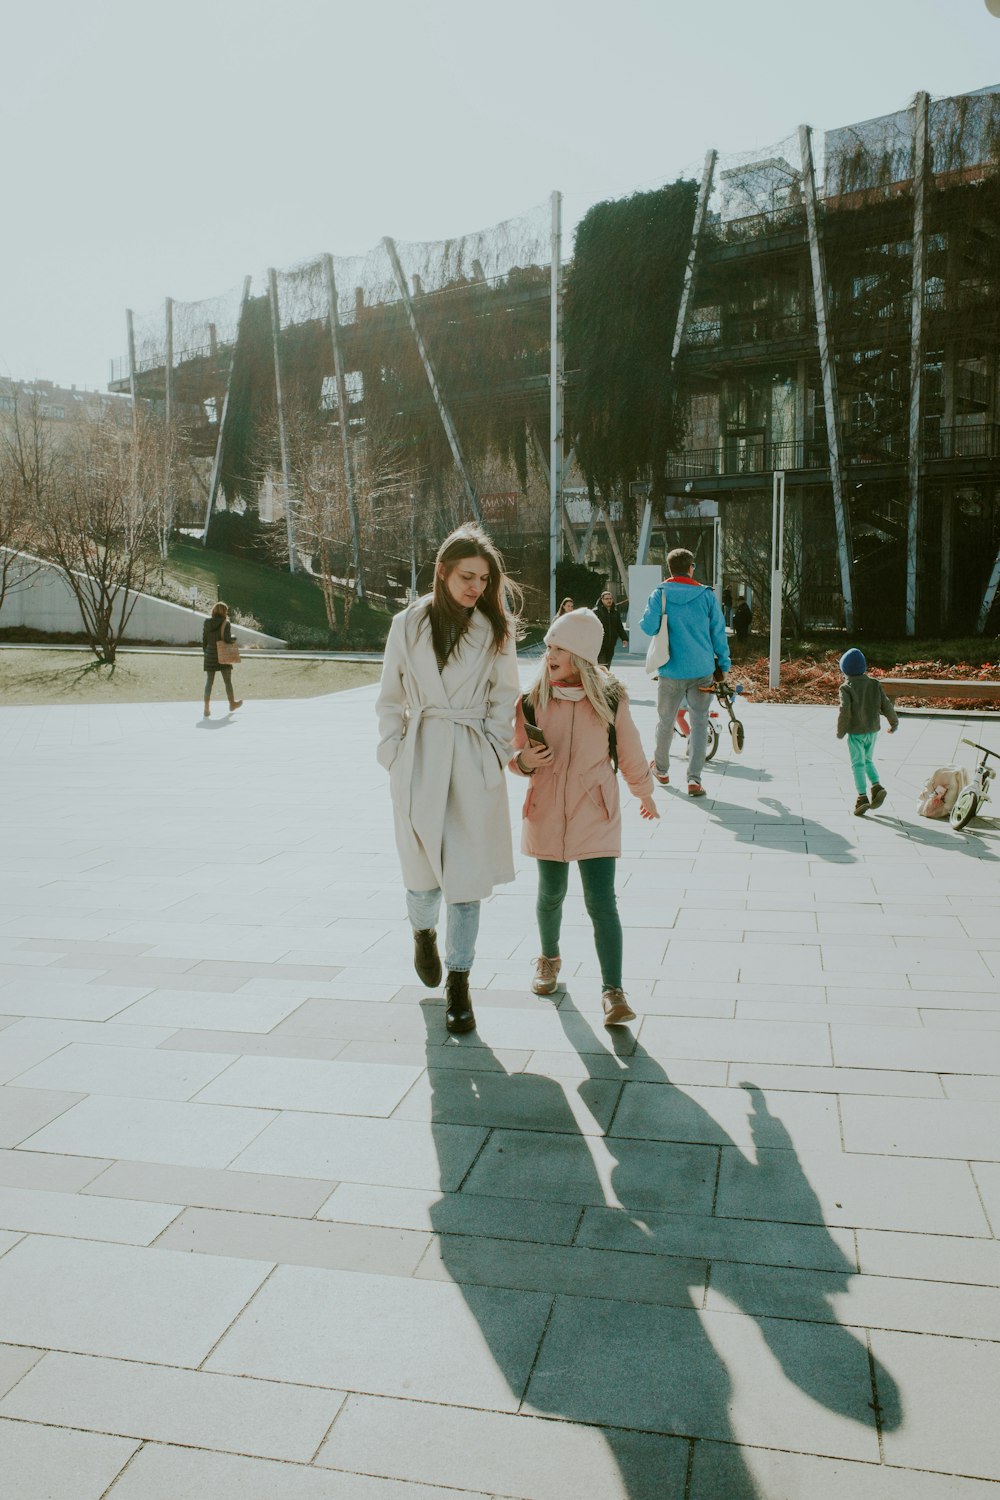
<point>725,695</point>
<point>972,796</point>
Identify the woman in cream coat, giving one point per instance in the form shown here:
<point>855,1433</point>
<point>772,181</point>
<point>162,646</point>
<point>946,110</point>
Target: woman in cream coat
<point>446,715</point>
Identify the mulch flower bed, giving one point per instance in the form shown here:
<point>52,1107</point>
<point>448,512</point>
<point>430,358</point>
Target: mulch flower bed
<point>817,679</point>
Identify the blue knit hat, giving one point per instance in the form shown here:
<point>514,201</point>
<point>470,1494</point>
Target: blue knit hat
<point>853,663</point>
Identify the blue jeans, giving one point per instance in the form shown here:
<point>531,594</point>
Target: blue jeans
<point>422,908</point>
<point>670,694</point>
<point>861,747</point>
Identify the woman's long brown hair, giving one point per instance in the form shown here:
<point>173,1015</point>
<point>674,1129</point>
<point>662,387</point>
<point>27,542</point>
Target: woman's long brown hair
<point>500,600</point>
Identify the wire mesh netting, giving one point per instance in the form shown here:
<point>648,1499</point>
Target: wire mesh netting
<point>199,330</point>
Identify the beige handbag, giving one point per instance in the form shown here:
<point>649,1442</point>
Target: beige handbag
<point>229,654</point>
<point>658,652</point>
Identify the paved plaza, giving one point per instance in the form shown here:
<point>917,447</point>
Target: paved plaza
<point>266,1233</point>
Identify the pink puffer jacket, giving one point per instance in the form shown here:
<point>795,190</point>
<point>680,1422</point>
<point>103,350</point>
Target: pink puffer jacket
<point>572,810</point>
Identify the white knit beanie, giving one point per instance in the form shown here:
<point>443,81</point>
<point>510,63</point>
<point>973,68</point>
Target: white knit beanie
<point>580,632</point>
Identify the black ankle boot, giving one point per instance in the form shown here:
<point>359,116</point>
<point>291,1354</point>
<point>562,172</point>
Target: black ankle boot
<point>458,1015</point>
<point>425,957</point>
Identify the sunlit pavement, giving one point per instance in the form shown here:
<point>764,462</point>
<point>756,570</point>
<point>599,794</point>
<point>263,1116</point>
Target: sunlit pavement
<point>266,1233</point>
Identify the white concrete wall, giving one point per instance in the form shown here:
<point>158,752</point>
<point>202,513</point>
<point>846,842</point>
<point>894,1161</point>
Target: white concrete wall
<point>45,601</point>
<point>642,580</point>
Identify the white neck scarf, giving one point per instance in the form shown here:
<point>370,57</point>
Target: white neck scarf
<point>569,694</point>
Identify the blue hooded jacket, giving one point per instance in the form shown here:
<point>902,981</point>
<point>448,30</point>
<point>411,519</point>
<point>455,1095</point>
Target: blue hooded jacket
<point>697,629</point>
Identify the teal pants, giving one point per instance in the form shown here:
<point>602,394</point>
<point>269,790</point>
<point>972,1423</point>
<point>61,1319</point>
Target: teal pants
<point>597,877</point>
<point>861,747</point>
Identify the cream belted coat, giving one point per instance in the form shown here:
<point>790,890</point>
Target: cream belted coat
<point>445,737</point>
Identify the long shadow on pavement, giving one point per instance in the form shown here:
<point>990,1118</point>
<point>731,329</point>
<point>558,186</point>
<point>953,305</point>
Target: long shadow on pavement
<point>625,1349</point>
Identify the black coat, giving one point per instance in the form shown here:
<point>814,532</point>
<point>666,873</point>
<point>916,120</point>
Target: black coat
<point>614,630</point>
<point>211,632</point>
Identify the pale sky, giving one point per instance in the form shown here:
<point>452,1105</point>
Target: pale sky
<point>174,149</point>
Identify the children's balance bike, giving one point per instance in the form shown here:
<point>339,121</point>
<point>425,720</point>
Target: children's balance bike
<point>726,695</point>
<point>972,796</point>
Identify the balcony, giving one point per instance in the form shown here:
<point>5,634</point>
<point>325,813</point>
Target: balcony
<point>981,440</point>
<point>756,328</point>
<point>747,456</point>
<point>741,457</point>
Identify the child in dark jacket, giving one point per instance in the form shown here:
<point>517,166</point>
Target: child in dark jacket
<point>862,702</point>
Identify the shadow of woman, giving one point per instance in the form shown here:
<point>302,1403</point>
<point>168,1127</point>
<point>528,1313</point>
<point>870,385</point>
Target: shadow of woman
<point>619,1229</point>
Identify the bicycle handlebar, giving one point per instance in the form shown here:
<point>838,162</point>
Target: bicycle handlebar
<point>983,748</point>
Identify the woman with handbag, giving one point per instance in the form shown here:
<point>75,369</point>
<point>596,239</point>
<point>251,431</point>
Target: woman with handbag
<point>446,722</point>
<point>221,654</point>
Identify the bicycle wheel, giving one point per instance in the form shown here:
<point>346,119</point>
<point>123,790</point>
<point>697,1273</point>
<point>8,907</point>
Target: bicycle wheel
<point>713,741</point>
<point>736,734</point>
<point>966,807</point>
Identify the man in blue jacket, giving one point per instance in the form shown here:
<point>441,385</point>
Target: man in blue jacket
<point>699,652</point>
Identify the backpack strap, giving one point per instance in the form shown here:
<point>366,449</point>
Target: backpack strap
<point>528,710</point>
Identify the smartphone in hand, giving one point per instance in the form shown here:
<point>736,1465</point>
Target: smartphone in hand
<point>535,735</point>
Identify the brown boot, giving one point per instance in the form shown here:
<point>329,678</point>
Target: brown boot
<point>546,975</point>
<point>426,959</point>
<point>458,1014</point>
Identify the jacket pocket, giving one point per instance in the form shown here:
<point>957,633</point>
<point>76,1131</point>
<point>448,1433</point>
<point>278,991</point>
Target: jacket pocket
<point>599,797</point>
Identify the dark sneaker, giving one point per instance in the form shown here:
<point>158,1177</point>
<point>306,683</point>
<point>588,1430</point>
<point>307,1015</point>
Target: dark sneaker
<point>862,806</point>
<point>695,789</point>
<point>425,957</point>
<point>879,794</point>
<point>658,775</point>
<point>458,1012</point>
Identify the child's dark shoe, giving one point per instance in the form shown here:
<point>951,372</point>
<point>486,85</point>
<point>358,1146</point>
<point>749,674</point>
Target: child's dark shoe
<point>862,806</point>
<point>879,794</point>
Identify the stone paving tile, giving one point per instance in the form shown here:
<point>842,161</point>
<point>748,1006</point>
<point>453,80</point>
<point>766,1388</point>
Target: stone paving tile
<point>723,1470</point>
<point>48,1171</point>
<point>155,1305</point>
<point>14,1363</point>
<point>169,1473</point>
<point>839,1080</point>
<point>69,999</point>
<point>355,1020</point>
<point>25,1111</point>
<point>929,1051</point>
<point>727,1116</point>
<point>506,1455</point>
<point>253,1044</point>
<point>390,1153</point>
<point>239,1012</point>
<point>209,1187</point>
<point>452,1213</point>
<point>341,1088</point>
<point>949,1395</point>
<point>741,1041</point>
<point>524,1101</point>
<point>707,1374</point>
<point>922,1127</point>
<point>301,1242</point>
<point>41,1462</point>
<point>987,1175</point>
<point>156,1130</point>
<point>719,1240</point>
<point>388,1336</point>
<point>960,1020</point>
<point>256,1417</point>
<point>931,1257</point>
<point>130,1071</point>
<point>31,1211</point>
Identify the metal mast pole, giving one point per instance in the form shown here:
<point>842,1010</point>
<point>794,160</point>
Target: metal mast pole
<point>425,359</point>
<point>213,483</point>
<point>777,575</point>
<point>916,357</point>
<point>829,373</point>
<point>130,326</point>
<point>704,193</point>
<point>286,473</point>
<point>343,407</point>
<point>555,396</point>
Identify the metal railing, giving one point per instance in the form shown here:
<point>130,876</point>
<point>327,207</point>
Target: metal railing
<point>747,328</point>
<point>981,440</point>
<point>754,455</point>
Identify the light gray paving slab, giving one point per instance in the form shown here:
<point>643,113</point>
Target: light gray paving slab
<point>341,1088</point>
<point>179,1008</point>
<point>301,1242</point>
<point>521,1100</point>
<point>930,1257</point>
<point>388,1336</point>
<point>211,1187</point>
<point>257,1417</point>
<point>452,1213</point>
<point>135,1072</point>
<point>930,1051</point>
<point>636,1068</point>
<point>161,1472</point>
<point>867,1192</point>
<point>949,1394</point>
<point>31,1211</point>
<point>47,1463</point>
<point>508,1455</point>
<point>715,1239</point>
<point>390,1153</point>
<point>156,1305</point>
<point>15,1363</point>
<point>723,1470</point>
<point>961,1020</point>
<point>739,1041</point>
<point>355,1020</point>
<point>50,1172</point>
<point>987,1175</point>
<point>70,1000</point>
<point>727,1116</point>
<point>25,1111</point>
<point>254,1044</point>
<point>194,1135</point>
<point>802,1386</point>
<point>922,1127</point>
<point>27,1042</point>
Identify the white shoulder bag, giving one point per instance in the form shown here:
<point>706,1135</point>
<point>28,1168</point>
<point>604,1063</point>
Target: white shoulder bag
<point>659,647</point>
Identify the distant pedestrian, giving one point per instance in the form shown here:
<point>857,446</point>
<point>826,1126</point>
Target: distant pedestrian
<point>699,654</point>
<point>606,611</point>
<point>566,607</point>
<point>572,810</point>
<point>742,615</point>
<point>215,631</point>
<point>446,719</point>
<point>863,701</point>
<point>727,604</point>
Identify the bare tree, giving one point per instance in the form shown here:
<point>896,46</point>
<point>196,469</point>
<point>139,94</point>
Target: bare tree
<point>99,526</point>
<point>28,465</point>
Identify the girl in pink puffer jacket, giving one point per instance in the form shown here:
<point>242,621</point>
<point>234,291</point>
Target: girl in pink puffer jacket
<point>572,809</point>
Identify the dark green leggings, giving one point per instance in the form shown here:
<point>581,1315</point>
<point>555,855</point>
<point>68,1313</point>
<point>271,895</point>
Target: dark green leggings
<point>598,879</point>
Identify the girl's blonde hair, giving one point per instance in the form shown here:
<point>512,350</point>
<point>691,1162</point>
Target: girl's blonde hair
<point>593,679</point>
